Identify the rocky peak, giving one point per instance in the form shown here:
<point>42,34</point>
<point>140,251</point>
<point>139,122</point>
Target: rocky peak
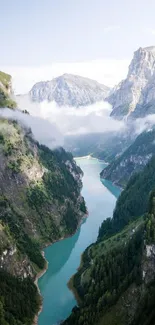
<point>69,90</point>
<point>143,63</point>
<point>136,89</point>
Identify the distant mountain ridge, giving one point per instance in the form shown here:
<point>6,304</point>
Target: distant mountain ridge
<point>69,90</point>
<point>135,96</point>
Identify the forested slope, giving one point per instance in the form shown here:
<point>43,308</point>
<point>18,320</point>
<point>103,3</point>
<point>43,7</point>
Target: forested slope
<point>115,282</point>
<point>132,160</point>
<point>40,202</point>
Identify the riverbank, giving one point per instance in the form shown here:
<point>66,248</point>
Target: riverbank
<point>65,256</point>
<point>92,158</point>
<point>42,272</point>
<point>71,286</point>
<point>85,157</point>
<point>38,276</point>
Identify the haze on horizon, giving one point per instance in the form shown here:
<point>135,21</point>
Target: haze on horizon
<point>91,39</point>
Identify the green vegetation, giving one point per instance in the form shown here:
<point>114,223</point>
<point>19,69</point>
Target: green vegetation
<point>107,271</point>
<point>132,160</point>
<point>39,202</point>
<point>133,201</point>
<point>19,300</point>
<point>5,84</point>
<point>5,79</point>
<point>110,282</point>
<point>24,243</point>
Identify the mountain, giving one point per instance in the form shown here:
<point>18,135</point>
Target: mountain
<point>115,283</point>
<point>132,160</point>
<point>40,202</point>
<point>6,91</point>
<point>105,146</point>
<point>135,96</point>
<point>69,90</point>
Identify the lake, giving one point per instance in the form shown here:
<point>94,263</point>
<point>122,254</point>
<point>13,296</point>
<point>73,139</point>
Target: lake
<point>64,256</point>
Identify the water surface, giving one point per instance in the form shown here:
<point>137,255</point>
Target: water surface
<point>64,256</point>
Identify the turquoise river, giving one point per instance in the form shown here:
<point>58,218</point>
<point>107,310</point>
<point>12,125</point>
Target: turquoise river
<point>64,256</point>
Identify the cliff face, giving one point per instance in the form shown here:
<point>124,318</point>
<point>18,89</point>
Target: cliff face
<point>40,202</point>
<point>134,96</point>
<point>40,197</point>
<point>132,160</point>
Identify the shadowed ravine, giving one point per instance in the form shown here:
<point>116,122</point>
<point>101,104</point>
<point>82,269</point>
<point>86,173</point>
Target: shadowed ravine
<point>64,256</point>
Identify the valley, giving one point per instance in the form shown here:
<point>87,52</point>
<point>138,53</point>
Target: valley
<point>64,257</point>
<point>97,240</point>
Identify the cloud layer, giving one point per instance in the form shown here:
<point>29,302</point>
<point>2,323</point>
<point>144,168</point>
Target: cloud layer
<point>44,131</point>
<point>70,120</point>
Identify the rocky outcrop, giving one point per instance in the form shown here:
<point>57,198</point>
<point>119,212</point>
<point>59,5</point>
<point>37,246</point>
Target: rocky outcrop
<point>69,90</point>
<point>135,95</point>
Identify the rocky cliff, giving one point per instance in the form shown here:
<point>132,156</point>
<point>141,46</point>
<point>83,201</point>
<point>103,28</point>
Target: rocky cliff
<point>40,202</point>
<point>132,160</point>
<point>69,90</point>
<point>135,96</point>
<point>40,187</point>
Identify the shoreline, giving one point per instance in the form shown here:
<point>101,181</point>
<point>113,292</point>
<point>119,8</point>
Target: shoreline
<point>71,285</point>
<point>38,276</point>
<point>113,183</point>
<point>90,157</point>
<point>42,272</point>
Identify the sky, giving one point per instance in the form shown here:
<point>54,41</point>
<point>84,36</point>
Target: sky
<point>41,39</point>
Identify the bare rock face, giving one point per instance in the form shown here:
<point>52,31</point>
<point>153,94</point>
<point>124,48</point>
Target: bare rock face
<point>69,90</point>
<point>135,95</point>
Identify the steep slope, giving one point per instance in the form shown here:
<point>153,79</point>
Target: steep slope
<point>69,90</point>
<point>105,146</point>
<point>132,160</point>
<point>135,95</point>
<point>6,91</point>
<point>40,202</point>
<point>115,282</point>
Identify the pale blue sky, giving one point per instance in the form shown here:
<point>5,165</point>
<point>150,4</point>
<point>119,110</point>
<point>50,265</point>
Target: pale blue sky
<point>37,32</point>
<point>41,39</point>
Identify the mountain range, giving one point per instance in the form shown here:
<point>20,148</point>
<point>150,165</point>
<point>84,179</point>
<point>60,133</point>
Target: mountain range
<point>68,90</point>
<point>40,202</point>
<point>133,97</point>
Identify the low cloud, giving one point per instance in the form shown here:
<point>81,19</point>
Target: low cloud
<point>145,123</point>
<point>44,131</point>
<point>70,120</point>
